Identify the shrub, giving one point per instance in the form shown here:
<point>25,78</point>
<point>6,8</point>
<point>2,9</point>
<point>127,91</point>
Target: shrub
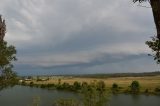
<point>101,86</point>
<point>50,85</point>
<point>76,86</point>
<point>31,84</point>
<point>146,91</point>
<point>84,84</point>
<point>23,83</point>
<point>43,86</point>
<point>66,86</point>
<point>58,87</point>
<point>59,81</point>
<point>94,94</point>
<point>115,87</point>
<point>157,89</point>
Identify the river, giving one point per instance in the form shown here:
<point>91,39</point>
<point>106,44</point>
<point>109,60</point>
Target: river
<point>25,96</point>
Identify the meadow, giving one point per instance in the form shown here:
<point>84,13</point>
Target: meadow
<point>149,83</point>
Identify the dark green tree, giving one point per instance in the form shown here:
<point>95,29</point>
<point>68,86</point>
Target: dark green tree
<point>154,44</point>
<point>135,87</point>
<point>7,56</point>
<point>114,86</point>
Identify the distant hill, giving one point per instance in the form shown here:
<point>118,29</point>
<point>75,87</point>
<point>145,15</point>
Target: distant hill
<point>102,75</point>
<point>143,74</point>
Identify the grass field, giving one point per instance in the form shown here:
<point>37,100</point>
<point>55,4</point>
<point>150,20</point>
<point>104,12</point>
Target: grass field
<point>148,82</point>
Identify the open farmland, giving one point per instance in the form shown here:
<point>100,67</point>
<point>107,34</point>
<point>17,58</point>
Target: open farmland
<point>146,82</point>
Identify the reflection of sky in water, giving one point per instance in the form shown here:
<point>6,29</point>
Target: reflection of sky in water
<point>135,100</point>
<point>24,96</point>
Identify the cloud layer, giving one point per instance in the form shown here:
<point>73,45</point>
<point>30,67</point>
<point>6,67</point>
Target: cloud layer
<point>78,36</point>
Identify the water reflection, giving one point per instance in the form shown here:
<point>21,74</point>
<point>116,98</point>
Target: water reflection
<point>23,96</point>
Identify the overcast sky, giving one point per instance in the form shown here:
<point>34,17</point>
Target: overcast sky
<point>79,36</point>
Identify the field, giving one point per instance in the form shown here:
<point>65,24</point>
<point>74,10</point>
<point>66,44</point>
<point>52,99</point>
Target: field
<point>147,82</point>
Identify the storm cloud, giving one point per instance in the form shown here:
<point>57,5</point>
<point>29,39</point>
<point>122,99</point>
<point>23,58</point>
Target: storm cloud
<point>79,36</point>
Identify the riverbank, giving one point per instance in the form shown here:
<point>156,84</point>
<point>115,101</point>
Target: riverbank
<point>148,84</point>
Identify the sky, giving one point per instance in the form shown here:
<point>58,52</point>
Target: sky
<point>79,36</point>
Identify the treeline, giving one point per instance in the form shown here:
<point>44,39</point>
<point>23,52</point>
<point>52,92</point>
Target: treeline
<point>76,86</point>
<point>101,75</point>
<point>79,87</point>
<point>119,75</point>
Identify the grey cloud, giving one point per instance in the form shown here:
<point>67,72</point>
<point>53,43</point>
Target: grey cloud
<point>110,65</point>
<point>103,59</point>
<point>49,27</point>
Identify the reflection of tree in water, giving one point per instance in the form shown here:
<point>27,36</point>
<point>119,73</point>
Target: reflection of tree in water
<point>36,101</point>
<point>136,99</point>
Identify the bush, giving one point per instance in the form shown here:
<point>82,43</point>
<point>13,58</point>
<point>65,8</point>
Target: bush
<point>101,86</point>
<point>94,94</point>
<point>157,89</point>
<point>76,86</point>
<point>59,81</point>
<point>31,84</point>
<point>84,84</point>
<point>50,85</point>
<point>146,91</point>
<point>23,83</point>
<point>66,86</point>
<point>59,87</point>
<point>43,86</point>
<point>115,87</point>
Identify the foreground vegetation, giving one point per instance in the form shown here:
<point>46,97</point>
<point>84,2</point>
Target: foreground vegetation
<point>93,94</point>
<point>7,57</point>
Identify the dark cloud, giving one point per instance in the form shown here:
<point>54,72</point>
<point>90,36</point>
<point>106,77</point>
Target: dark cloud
<point>69,35</point>
<point>101,60</point>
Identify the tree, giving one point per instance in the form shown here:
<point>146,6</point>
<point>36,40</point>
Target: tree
<point>2,28</point>
<point>155,4</point>
<point>7,56</point>
<point>135,86</point>
<point>154,44</point>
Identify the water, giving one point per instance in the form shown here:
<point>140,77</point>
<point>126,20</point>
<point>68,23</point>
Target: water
<point>24,96</point>
<point>135,100</point>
